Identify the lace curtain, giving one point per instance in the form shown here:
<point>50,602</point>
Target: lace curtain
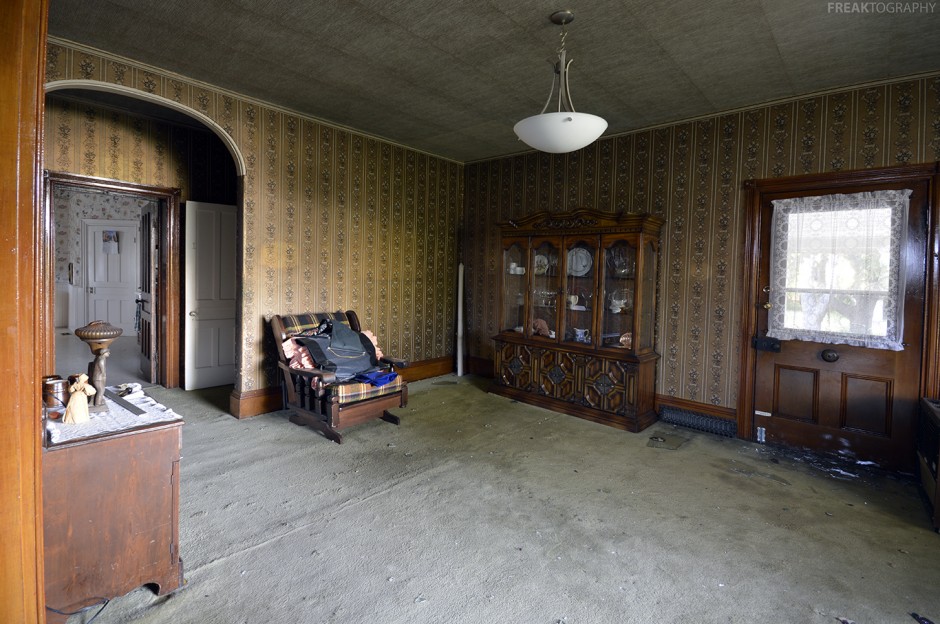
<point>836,272</point>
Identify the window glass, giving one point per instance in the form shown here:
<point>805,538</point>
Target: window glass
<point>836,273</point>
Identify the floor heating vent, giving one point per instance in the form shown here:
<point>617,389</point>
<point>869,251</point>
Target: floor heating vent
<point>700,422</point>
<point>928,454</point>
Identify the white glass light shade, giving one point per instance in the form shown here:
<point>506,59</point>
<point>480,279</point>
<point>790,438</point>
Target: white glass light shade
<point>558,133</point>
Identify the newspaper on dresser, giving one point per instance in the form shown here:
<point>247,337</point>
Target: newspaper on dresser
<point>117,418</point>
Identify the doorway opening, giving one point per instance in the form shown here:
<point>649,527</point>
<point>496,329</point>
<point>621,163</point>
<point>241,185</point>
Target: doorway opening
<point>141,247</point>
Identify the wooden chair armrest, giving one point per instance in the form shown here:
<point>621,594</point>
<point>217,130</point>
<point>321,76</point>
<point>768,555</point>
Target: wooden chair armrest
<point>394,362</point>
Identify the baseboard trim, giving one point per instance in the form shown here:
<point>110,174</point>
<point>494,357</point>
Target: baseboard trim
<point>427,368</point>
<point>256,402</point>
<point>724,413</point>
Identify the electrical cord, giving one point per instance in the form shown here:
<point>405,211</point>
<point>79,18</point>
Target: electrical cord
<point>102,601</point>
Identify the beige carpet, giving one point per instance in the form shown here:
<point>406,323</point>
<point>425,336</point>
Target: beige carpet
<point>481,510</point>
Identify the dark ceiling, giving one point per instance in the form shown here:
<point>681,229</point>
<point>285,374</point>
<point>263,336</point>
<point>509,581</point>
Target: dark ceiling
<point>451,78</point>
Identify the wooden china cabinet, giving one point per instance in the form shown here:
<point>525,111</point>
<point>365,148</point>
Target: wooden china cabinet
<point>577,314</point>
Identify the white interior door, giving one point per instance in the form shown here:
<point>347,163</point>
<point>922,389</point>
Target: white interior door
<point>210,295</point>
<point>111,258</point>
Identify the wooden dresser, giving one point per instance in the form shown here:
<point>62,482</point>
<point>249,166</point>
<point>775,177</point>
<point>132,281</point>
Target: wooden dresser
<point>111,516</point>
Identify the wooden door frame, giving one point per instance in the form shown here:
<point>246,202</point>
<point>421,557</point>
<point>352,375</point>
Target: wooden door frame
<point>167,308</point>
<point>22,360</point>
<point>827,183</point>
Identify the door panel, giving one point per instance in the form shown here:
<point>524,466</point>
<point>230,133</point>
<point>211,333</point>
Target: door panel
<point>853,400</point>
<point>867,404</point>
<point>112,272</point>
<point>800,400</point>
<point>211,239</point>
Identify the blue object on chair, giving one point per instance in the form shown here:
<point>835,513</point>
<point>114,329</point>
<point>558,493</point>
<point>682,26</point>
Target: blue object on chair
<point>377,378</point>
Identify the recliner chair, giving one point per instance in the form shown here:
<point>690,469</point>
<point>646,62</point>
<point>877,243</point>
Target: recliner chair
<point>317,399</point>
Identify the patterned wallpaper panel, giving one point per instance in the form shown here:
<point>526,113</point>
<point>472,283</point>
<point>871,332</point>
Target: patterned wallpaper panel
<point>332,219</point>
<point>93,140</point>
<point>70,206</point>
<point>691,174</point>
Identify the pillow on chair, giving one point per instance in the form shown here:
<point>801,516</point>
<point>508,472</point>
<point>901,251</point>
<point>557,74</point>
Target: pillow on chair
<point>297,353</point>
<point>375,343</point>
<point>341,350</point>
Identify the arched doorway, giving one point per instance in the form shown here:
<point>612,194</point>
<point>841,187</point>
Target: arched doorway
<point>88,96</point>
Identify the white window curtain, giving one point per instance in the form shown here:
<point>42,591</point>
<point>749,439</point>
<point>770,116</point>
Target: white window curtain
<point>837,274</point>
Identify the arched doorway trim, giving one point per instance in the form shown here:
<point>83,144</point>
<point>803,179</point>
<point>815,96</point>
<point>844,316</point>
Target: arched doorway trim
<point>174,376</point>
<point>96,85</point>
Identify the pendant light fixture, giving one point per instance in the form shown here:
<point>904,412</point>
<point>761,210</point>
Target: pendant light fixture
<point>564,130</point>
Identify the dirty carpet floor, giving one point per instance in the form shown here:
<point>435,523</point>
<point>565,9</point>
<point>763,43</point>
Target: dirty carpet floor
<point>480,509</point>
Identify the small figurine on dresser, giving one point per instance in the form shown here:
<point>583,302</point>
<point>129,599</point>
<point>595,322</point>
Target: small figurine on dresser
<point>77,410</point>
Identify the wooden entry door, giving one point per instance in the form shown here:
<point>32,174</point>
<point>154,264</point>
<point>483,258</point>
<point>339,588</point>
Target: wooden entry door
<point>853,400</point>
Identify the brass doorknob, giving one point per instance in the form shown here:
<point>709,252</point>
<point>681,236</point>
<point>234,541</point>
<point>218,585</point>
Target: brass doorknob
<point>768,305</point>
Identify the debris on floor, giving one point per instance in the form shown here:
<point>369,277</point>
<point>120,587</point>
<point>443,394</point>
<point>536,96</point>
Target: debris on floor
<point>666,441</point>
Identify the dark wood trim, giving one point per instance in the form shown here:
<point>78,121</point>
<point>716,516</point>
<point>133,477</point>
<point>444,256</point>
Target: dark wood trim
<point>580,222</point>
<point>930,386</point>
<point>25,335</point>
<point>479,366</point>
<point>840,179</point>
<point>757,190</point>
<point>749,300</point>
<point>168,306</point>
<point>427,368</point>
<point>716,411</point>
<point>257,402</point>
<point>170,292</point>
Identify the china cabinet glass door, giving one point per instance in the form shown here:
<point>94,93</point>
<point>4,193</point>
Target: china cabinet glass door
<point>619,289</point>
<point>512,316</point>
<point>646,307</point>
<point>580,270</point>
<point>546,285</point>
